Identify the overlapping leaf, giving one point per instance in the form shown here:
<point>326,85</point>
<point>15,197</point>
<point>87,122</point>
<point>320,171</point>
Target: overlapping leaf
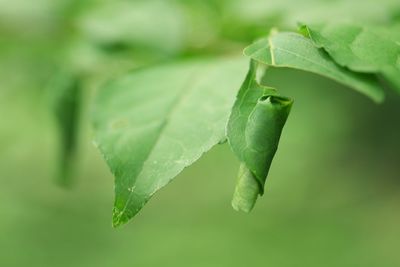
<point>292,50</point>
<point>359,48</point>
<point>152,123</point>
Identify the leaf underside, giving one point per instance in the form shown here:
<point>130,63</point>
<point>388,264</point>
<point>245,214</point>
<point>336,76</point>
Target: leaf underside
<point>359,48</point>
<point>292,50</point>
<point>152,123</point>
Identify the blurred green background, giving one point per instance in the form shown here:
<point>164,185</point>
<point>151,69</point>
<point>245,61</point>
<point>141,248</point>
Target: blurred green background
<point>333,195</point>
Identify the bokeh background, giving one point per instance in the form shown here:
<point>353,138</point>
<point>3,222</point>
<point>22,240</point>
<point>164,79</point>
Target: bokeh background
<point>333,194</point>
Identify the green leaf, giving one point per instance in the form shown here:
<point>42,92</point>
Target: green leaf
<point>392,75</point>
<point>66,94</point>
<point>152,123</point>
<point>359,48</point>
<point>292,50</point>
<point>253,131</point>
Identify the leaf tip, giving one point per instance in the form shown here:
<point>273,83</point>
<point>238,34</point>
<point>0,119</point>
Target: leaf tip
<point>237,206</point>
<point>304,30</point>
<point>119,218</point>
<point>246,191</point>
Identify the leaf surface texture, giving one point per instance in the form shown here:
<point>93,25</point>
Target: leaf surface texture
<point>152,123</point>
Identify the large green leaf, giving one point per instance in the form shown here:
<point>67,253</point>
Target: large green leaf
<point>152,123</point>
<point>293,50</point>
<point>359,48</point>
<point>253,131</point>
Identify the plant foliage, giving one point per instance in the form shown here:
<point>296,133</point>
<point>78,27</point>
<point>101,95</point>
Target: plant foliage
<point>152,122</point>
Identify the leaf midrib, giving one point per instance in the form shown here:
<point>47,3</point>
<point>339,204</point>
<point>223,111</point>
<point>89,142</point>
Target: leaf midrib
<point>272,48</point>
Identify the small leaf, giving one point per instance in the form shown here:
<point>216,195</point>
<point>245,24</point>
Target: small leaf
<point>152,123</point>
<point>292,50</point>
<point>359,48</point>
<point>66,93</point>
<point>254,130</point>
